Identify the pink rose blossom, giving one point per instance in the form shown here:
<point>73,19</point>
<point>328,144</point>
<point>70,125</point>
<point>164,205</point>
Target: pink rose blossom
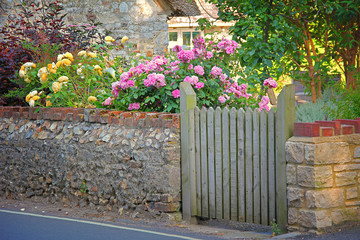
<point>176,93</point>
<point>186,55</point>
<point>107,101</point>
<point>199,70</point>
<point>199,85</point>
<point>190,66</point>
<point>134,106</point>
<point>216,71</point>
<point>264,103</point>
<point>209,55</point>
<point>271,83</point>
<point>222,99</point>
<point>192,80</point>
<point>177,48</point>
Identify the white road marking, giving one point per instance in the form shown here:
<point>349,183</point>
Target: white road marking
<point>100,224</point>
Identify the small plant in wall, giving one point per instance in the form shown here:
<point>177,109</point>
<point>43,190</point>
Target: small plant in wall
<point>83,188</point>
<point>275,228</point>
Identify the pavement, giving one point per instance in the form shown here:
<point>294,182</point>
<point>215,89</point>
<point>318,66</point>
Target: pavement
<point>36,220</point>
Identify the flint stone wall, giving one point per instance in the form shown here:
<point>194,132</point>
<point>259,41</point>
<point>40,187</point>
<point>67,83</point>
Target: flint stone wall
<point>116,161</point>
<point>143,21</point>
<point>323,177</point>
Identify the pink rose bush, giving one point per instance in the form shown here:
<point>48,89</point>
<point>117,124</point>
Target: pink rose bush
<point>154,84</point>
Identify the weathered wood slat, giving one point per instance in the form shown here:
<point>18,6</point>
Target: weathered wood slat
<point>211,162</point>
<point>285,118</point>
<point>191,135</point>
<point>248,166</point>
<point>187,101</point>
<point>218,164</point>
<point>204,165</point>
<point>226,163</point>
<point>256,165</point>
<point>233,167</point>
<point>198,160</point>
<point>271,164</point>
<point>264,168</point>
<point>241,163</point>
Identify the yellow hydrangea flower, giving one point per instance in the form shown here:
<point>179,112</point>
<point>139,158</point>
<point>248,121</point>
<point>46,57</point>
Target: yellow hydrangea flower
<point>92,99</point>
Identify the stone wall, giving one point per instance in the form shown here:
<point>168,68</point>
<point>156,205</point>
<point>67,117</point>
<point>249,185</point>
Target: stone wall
<point>323,174</point>
<point>143,21</point>
<point>109,160</point>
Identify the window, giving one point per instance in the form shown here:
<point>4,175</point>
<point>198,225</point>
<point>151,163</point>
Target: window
<point>183,37</point>
<point>187,38</point>
<point>173,36</point>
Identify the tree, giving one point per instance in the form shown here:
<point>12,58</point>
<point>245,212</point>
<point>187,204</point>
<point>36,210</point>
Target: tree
<point>277,33</point>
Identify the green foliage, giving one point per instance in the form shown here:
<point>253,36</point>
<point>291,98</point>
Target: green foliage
<point>275,227</point>
<point>311,112</point>
<point>345,104</point>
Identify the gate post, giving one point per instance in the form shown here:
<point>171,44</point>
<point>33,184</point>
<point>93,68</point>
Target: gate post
<point>188,180</point>
<point>285,118</point>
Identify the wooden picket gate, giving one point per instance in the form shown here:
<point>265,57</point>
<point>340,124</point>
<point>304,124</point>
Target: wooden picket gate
<point>233,160</point>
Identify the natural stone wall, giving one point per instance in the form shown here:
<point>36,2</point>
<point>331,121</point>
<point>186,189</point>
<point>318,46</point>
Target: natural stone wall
<point>143,21</point>
<point>118,161</point>
<point>323,176</point>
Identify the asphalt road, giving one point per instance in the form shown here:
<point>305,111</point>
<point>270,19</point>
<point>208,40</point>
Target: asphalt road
<point>27,226</point>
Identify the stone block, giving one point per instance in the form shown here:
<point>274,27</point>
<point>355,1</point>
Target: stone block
<point>341,215</point>
<point>351,193</point>
<point>309,153</point>
<point>295,197</point>
<point>344,167</point>
<point>167,207</point>
<point>314,219</point>
<point>305,176</point>
<point>345,178</point>
<point>292,216</point>
<point>357,152</point>
<point>329,153</point>
<point>291,174</point>
<point>323,176</point>
<point>327,198</point>
<point>294,152</point>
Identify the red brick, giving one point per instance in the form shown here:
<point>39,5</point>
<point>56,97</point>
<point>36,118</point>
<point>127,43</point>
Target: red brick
<point>326,131</point>
<point>333,124</point>
<point>176,120</point>
<point>115,120</point>
<point>94,118</point>
<point>70,117</point>
<point>347,129</point>
<point>306,129</point>
<point>1,111</point>
<point>355,123</point>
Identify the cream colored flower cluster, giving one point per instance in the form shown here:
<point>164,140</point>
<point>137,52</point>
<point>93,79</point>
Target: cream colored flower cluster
<point>56,86</point>
<point>32,97</point>
<point>25,68</point>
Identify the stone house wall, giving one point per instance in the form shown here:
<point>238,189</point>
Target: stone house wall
<point>323,174</point>
<point>116,161</point>
<point>143,21</point>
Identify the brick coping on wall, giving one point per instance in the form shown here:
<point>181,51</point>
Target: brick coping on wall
<point>94,115</point>
<point>327,128</point>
